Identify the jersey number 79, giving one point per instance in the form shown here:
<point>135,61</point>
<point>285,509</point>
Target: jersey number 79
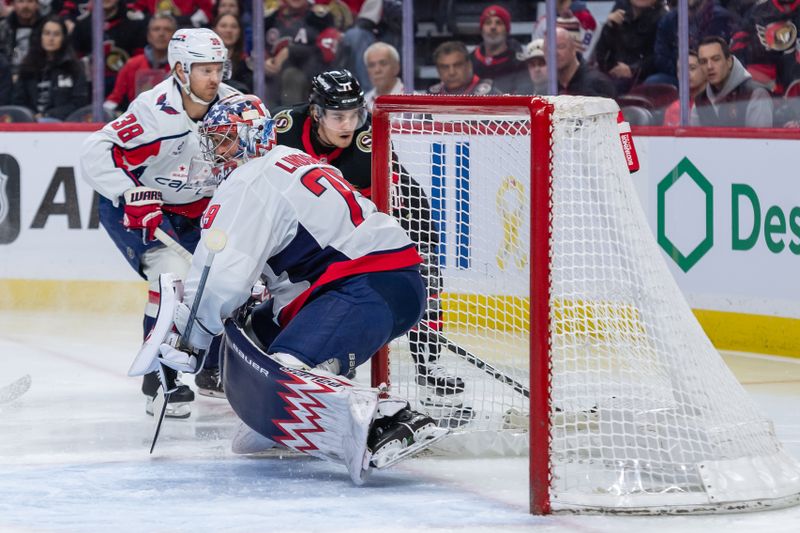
<point>311,181</point>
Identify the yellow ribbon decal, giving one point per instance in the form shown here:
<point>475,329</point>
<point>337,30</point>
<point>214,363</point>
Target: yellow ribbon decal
<point>510,204</point>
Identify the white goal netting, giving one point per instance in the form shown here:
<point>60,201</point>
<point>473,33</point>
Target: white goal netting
<point>644,414</point>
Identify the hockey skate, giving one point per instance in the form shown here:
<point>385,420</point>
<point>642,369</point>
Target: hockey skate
<point>436,378</point>
<point>179,404</point>
<point>209,382</point>
<point>392,439</point>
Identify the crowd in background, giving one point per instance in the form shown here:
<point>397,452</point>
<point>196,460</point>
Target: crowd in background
<point>743,65</point>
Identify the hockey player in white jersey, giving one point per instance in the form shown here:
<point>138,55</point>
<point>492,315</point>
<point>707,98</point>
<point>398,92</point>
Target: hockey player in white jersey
<point>343,280</point>
<point>138,163</point>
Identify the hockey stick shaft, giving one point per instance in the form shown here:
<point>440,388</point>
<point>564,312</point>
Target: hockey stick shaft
<point>172,244</point>
<point>215,241</point>
<point>475,360</point>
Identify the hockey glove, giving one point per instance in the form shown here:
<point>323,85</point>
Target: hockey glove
<point>143,211</point>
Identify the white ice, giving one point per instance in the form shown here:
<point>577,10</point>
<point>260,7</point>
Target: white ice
<point>74,457</point>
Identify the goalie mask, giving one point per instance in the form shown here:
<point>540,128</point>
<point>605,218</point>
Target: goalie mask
<point>337,100</point>
<point>236,129</point>
<point>196,45</point>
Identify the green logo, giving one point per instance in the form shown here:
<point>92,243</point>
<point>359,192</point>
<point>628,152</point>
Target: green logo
<point>685,170</point>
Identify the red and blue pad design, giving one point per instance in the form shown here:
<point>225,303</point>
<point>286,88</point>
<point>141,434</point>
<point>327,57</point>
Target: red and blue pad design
<point>306,410</point>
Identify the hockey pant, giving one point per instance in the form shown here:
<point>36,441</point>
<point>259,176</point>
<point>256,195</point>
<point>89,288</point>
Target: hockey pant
<point>348,320</point>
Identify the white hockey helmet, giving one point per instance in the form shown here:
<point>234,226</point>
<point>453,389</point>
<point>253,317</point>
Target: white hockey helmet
<point>195,45</point>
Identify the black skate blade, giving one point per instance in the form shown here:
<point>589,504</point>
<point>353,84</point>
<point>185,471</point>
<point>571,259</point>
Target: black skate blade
<point>428,436</point>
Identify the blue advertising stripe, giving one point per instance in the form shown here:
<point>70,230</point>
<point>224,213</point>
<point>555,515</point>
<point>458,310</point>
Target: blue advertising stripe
<point>438,198</point>
<point>463,258</point>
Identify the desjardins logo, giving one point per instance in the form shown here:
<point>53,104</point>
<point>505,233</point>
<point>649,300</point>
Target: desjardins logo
<point>684,175</point>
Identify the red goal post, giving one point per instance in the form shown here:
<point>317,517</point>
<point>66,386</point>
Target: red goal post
<point>540,113</point>
<point>630,409</point>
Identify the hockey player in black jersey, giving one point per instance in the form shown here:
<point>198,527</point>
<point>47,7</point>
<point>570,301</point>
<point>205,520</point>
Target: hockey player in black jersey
<point>335,127</point>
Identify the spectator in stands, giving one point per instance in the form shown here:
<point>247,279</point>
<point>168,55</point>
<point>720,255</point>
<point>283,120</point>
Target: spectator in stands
<point>383,66</point>
<point>731,98</point>
<point>376,20</point>
<point>624,50</point>
<point>242,12</point>
<point>697,84</point>
<point>294,54</point>
<point>144,71</point>
<point>574,75</point>
<point>533,80</point>
<point>5,81</point>
<point>51,82</point>
<point>229,29</point>
<point>187,13</point>
<point>496,57</point>
<point>341,12</point>
<point>706,17</point>
<point>455,72</point>
<point>766,43</point>
<point>16,30</point>
<point>124,35</point>
<point>576,18</point>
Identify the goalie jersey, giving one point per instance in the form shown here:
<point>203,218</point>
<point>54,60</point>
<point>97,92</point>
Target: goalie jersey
<point>151,144</point>
<point>297,223</point>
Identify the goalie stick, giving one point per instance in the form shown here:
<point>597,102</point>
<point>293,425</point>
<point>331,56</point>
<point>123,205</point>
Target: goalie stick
<point>172,244</point>
<point>215,241</point>
<point>475,360</point>
<point>15,389</point>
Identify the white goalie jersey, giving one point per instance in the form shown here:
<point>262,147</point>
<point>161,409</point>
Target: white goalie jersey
<point>300,225</point>
<point>151,144</point>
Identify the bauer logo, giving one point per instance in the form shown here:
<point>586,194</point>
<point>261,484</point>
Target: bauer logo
<point>9,199</point>
<point>685,195</point>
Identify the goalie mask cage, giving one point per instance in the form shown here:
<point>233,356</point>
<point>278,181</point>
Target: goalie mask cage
<point>551,277</point>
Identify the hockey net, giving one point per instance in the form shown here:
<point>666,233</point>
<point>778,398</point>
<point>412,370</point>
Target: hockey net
<point>574,343</point>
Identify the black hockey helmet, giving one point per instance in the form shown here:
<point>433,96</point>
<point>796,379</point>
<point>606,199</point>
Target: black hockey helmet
<point>336,89</point>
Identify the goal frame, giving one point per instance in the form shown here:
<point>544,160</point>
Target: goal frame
<point>540,112</point>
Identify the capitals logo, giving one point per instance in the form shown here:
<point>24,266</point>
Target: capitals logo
<point>162,104</point>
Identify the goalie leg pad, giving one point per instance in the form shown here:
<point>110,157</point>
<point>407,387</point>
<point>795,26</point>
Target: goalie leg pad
<point>303,409</point>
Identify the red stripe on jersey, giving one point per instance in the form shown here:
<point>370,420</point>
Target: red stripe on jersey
<point>192,210</point>
<point>309,148</point>
<point>133,157</point>
<point>363,265</point>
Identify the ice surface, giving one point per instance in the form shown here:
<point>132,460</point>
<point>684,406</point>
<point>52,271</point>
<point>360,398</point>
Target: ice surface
<point>73,457</point>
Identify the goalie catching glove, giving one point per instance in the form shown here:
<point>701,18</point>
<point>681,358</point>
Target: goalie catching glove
<point>143,211</point>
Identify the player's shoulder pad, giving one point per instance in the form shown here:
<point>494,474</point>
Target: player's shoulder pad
<point>483,87</point>
<point>364,141</point>
<point>436,88</point>
<point>271,12</point>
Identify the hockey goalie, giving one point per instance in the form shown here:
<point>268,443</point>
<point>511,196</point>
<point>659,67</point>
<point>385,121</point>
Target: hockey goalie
<point>343,279</point>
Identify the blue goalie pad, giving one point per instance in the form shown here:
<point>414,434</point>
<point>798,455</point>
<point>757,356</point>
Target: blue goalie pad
<point>307,410</point>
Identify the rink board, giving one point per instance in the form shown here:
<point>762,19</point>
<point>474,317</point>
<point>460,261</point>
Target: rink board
<point>49,233</point>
